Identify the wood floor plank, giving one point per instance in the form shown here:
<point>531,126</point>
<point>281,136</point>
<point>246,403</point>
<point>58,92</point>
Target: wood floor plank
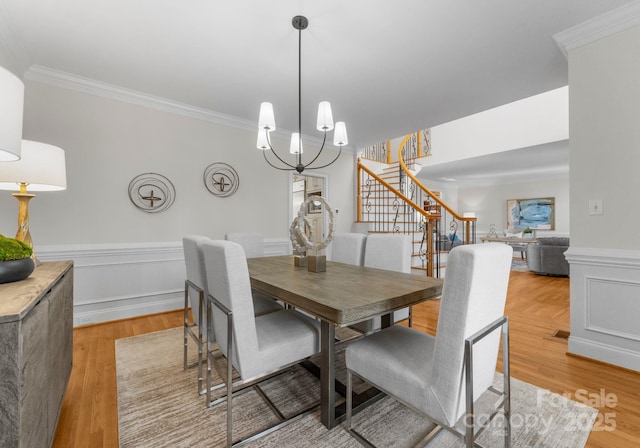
<point>537,306</point>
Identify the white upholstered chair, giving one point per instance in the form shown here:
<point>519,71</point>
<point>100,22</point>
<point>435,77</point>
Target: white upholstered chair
<point>195,287</point>
<point>256,346</point>
<point>348,248</point>
<point>252,243</point>
<point>442,376</point>
<point>392,252</point>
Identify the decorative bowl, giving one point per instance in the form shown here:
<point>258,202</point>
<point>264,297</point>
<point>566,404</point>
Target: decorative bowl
<point>15,270</point>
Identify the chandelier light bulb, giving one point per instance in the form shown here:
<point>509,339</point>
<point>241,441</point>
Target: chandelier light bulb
<point>325,117</point>
<point>266,119</point>
<point>340,134</point>
<point>296,144</point>
<point>263,140</point>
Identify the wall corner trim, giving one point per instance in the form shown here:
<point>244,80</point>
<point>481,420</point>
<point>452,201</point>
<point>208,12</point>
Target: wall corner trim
<point>599,27</point>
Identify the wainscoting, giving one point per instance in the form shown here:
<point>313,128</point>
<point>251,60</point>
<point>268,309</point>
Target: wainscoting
<point>117,281</point>
<point>605,305</point>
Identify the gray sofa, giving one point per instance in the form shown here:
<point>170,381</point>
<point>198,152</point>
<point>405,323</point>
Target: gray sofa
<point>546,257</point>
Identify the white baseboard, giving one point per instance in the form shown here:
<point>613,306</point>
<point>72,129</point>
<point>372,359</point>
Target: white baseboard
<point>119,281</point>
<point>629,359</point>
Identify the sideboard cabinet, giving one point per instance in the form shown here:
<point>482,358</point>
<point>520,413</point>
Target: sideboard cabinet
<point>36,349</point>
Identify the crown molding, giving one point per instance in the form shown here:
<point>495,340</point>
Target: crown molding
<point>89,86</point>
<point>599,27</point>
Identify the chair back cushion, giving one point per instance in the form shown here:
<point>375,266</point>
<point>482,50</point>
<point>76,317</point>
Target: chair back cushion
<point>196,273</point>
<point>348,248</point>
<point>252,243</point>
<point>228,282</point>
<point>473,296</point>
<point>390,251</point>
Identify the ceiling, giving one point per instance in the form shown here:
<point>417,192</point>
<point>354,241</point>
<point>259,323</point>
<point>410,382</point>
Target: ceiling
<point>535,163</point>
<point>388,68</point>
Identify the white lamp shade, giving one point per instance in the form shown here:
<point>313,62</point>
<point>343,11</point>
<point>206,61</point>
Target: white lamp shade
<point>263,140</point>
<point>41,166</point>
<point>11,107</point>
<point>325,117</point>
<point>340,134</point>
<point>296,144</point>
<point>266,119</point>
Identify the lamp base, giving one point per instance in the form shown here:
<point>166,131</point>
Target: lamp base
<point>23,234</point>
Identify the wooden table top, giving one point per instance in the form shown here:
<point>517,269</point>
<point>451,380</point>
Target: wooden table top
<point>17,298</point>
<point>344,294</point>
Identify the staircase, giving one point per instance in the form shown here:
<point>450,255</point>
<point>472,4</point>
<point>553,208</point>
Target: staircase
<point>392,200</point>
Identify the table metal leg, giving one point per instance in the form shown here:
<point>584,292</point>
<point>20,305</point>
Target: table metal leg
<point>386,320</point>
<point>327,374</point>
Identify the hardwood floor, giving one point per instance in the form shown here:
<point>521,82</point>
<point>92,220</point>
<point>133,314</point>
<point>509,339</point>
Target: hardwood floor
<point>537,307</point>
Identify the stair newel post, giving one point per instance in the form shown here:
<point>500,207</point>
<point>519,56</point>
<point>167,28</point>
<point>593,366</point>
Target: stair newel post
<point>430,247</point>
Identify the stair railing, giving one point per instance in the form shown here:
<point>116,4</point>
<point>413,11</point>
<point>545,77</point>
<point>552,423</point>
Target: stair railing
<point>435,207</point>
<point>390,210</point>
<point>406,206</point>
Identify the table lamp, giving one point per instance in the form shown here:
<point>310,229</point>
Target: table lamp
<point>41,168</point>
<point>11,106</point>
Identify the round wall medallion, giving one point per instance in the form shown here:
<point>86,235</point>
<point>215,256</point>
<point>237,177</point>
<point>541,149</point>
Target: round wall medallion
<point>221,179</point>
<point>151,192</point>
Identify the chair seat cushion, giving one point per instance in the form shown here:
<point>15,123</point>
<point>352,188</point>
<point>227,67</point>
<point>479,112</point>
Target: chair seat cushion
<point>398,357</point>
<point>284,337</point>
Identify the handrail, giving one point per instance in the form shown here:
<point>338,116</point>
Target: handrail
<point>389,187</point>
<point>425,189</point>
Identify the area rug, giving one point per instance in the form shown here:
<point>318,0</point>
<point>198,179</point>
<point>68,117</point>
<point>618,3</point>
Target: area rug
<point>519,265</point>
<point>158,406</point>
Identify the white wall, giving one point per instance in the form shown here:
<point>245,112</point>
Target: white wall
<point>529,122</point>
<point>108,142</point>
<point>604,153</point>
<point>128,262</point>
<point>490,203</point>
<point>605,140</point>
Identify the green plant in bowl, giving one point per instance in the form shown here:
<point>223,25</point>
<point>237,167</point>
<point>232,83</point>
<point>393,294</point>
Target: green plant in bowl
<point>13,249</point>
<point>15,260</point>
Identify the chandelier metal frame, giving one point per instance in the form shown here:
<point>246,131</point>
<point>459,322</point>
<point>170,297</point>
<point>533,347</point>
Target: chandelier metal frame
<point>266,121</point>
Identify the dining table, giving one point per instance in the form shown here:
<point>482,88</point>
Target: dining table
<point>341,296</point>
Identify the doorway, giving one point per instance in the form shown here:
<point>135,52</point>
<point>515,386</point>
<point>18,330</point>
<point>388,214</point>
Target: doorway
<point>301,187</point>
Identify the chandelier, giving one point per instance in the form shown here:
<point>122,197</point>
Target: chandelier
<point>267,123</point>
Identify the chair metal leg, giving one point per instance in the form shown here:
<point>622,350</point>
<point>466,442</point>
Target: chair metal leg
<point>506,374</point>
<point>229,379</point>
<point>469,421</point>
<point>349,399</point>
<point>186,322</point>
<point>203,337</point>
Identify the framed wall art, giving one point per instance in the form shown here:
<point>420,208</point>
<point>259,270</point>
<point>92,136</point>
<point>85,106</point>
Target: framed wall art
<point>536,213</point>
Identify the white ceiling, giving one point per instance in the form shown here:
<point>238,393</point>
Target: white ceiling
<point>388,67</point>
<point>535,163</point>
